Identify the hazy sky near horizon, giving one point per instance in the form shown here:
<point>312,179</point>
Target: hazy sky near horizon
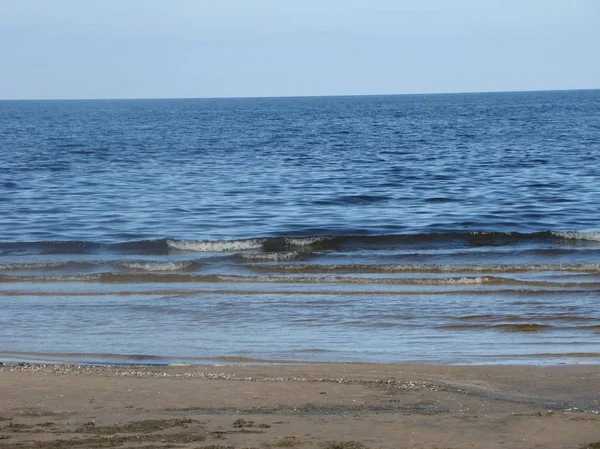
<point>223,48</point>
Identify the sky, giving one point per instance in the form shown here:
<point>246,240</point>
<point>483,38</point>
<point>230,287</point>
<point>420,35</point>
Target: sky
<point>75,49</point>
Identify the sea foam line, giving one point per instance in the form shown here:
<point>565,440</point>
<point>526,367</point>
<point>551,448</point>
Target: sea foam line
<point>156,266</point>
<point>115,277</point>
<point>215,246</point>
<point>576,235</point>
<point>427,268</point>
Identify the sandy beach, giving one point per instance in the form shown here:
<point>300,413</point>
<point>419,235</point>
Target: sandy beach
<point>344,406</point>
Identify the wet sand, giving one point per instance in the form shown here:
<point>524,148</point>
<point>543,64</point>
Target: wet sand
<point>346,406</point>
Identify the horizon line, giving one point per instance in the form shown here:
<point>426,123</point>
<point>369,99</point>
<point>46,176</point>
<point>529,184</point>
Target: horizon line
<point>301,96</point>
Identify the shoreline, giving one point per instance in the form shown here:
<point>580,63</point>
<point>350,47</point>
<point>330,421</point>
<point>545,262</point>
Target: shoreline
<point>105,359</point>
<point>323,406</point>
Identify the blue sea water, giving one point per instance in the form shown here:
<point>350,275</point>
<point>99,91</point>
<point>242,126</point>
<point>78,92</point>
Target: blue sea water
<point>457,228</point>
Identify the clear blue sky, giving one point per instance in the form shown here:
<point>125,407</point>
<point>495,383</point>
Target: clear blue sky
<point>217,48</point>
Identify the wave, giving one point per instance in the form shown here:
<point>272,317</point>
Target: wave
<point>526,327</point>
<point>428,268</point>
<point>348,241</point>
<point>73,265</point>
<point>280,265</point>
<point>267,244</point>
<point>158,266</point>
<point>46,266</point>
<point>515,318</point>
<point>164,277</point>
<point>161,277</point>
<point>50,247</point>
<point>520,327</point>
<point>574,235</point>
<point>82,359</point>
<point>216,246</point>
<point>305,241</point>
<point>579,355</point>
<point>275,257</point>
<point>230,290</point>
<point>58,247</point>
<point>96,358</point>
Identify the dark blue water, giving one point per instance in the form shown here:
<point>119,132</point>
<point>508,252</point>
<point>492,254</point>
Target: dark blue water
<point>107,207</point>
<point>226,169</point>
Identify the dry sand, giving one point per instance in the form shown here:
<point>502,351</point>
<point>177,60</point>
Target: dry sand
<point>299,406</point>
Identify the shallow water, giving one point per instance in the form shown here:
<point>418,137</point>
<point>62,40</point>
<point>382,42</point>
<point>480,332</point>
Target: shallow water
<point>428,228</point>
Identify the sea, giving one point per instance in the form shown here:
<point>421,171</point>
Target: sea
<point>446,228</point>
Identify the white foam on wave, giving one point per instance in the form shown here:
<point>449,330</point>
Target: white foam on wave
<point>432,268</point>
<point>417,281</point>
<point>32,265</point>
<point>156,266</point>
<point>274,257</point>
<point>577,235</point>
<point>464,280</point>
<point>215,246</point>
<point>304,241</point>
<point>359,280</point>
<point>58,278</point>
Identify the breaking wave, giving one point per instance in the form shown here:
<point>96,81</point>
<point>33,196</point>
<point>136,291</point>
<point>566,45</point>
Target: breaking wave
<point>215,246</point>
<point>573,235</point>
<point>428,268</point>
<point>183,277</point>
<point>349,241</point>
<point>274,257</point>
<point>158,266</point>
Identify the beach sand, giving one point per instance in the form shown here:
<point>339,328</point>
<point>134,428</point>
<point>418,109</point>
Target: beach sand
<point>327,406</point>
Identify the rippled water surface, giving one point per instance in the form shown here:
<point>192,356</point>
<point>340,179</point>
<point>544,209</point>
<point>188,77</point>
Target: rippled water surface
<point>421,228</point>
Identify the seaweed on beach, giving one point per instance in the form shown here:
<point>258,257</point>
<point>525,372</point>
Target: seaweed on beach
<point>343,445</point>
